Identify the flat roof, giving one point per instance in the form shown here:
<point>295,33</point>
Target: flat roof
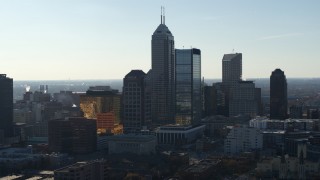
<point>132,138</point>
<point>76,165</point>
<point>179,127</point>
<point>12,177</point>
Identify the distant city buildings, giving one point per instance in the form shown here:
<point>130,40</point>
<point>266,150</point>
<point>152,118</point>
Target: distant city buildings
<point>287,124</point>
<point>296,112</point>
<point>188,86</point>
<point>6,106</point>
<point>278,95</point>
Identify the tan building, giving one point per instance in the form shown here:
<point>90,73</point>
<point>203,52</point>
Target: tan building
<point>102,104</point>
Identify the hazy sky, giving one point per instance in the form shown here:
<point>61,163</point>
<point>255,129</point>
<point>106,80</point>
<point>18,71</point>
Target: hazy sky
<point>100,39</point>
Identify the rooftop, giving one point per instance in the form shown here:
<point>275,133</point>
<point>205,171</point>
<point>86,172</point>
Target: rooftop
<point>228,57</point>
<point>162,29</point>
<point>135,73</point>
<point>176,127</point>
<point>132,138</point>
<point>202,166</point>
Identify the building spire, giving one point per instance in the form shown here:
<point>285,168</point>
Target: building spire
<point>163,20</point>
<point>164,16</point>
<point>161,14</point>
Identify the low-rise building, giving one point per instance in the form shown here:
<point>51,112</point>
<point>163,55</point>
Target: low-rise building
<point>286,167</point>
<point>178,134</point>
<point>288,124</point>
<point>203,170</point>
<point>92,170</point>
<point>214,124</point>
<point>243,139</point>
<point>131,143</point>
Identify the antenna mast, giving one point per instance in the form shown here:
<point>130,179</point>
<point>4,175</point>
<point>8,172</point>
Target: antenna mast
<point>161,14</point>
<point>164,16</point>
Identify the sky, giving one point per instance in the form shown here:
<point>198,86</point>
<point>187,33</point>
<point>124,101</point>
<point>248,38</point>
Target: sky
<point>105,39</point>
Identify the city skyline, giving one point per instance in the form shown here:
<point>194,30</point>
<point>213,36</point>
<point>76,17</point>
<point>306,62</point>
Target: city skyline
<point>45,40</point>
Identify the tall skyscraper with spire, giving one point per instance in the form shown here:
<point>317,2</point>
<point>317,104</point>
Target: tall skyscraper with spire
<point>163,80</point>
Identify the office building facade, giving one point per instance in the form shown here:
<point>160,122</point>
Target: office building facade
<point>243,139</point>
<point>242,100</point>
<point>231,75</point>
<point>72,135</point>
<point>6,105</point>
<point>163,62</point>
<point>231,69</point>
<point>188,86</point>
<point>278,95</point>
<point>133,101</point>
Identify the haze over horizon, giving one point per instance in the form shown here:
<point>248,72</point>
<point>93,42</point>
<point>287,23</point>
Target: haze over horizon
<point>80,40</point>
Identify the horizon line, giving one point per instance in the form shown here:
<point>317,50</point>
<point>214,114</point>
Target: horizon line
<point>112,79</point>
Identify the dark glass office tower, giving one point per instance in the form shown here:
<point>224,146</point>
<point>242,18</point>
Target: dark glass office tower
<point>133,101</point>
<point>188,86</point>
<point>6,105</point>
<point>231,76</point>
<point>231,69</point>
<point>278,95</point>
<point>162,90</point>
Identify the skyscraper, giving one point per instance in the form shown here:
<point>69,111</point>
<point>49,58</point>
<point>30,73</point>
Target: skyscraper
<point>278,95</point>
<point>163,61</point>
<point>188,86</point>
<point>6,105</point>
<point>231,69</point>
<point>231,76</point>
<point>133,101</point>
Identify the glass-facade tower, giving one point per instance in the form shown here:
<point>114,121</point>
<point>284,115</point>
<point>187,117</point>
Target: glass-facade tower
<point>188,86</point>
